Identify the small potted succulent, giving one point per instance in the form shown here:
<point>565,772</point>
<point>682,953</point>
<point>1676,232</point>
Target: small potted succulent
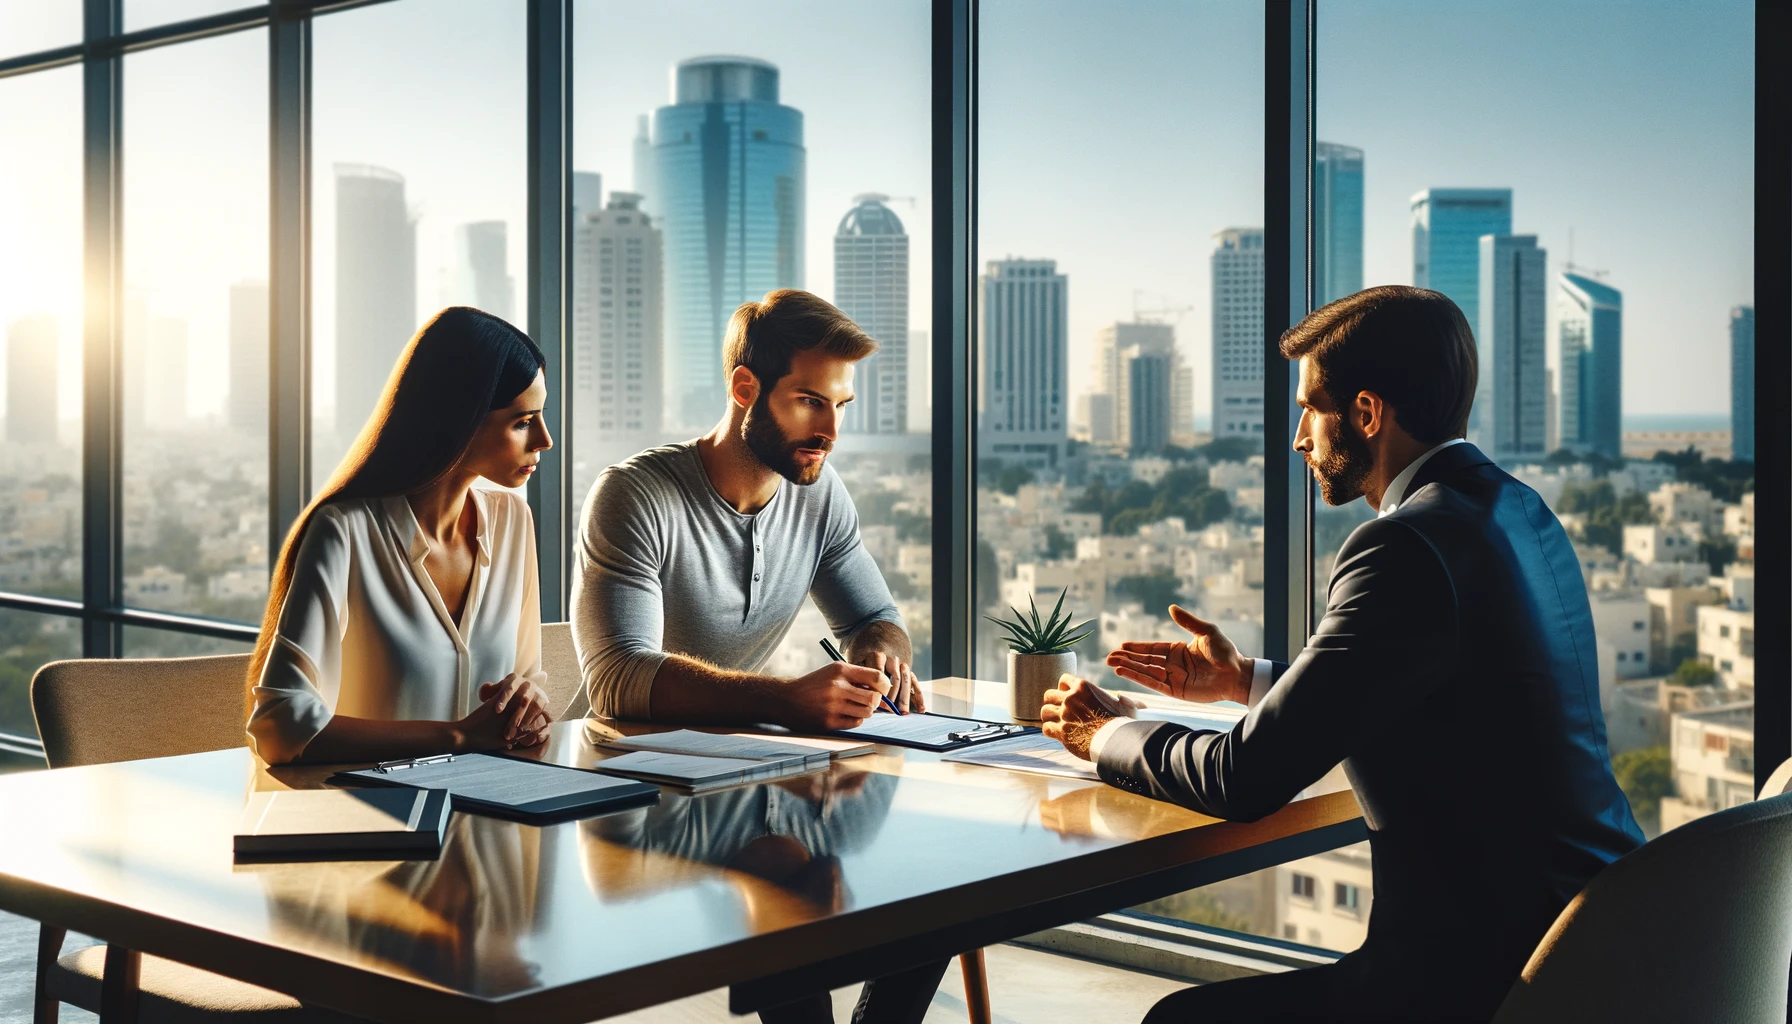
<point>1038,653</point>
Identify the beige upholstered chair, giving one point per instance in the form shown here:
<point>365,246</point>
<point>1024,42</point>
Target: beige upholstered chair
<point>1696,925</point>
<point>566,689</point>
<point>100,711</point>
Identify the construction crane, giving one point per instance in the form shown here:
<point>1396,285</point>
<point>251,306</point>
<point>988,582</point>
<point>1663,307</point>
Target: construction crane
<point>1158,314</point>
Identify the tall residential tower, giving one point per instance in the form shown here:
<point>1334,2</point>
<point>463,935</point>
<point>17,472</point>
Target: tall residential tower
<point>31,381</point>
<point>617,359</point>
<point>376,288</point>
<point>247,406</point>
<point>871,286</point>
<point>1512,397</point>
<point>1237,266</point>
<point>1025,350</point>
<point>1742,383</point>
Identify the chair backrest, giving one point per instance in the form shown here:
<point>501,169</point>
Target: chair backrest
<point>566,686</point>
<point>1695,925</point>
<point>1777,783</point>
<point>100,710</point>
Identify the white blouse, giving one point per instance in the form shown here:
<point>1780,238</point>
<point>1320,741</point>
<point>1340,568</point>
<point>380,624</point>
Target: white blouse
<point>364,632</point>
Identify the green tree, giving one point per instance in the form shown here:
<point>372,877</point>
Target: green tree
<point>1645,776</point>
<point>1693,672</point>
<point>1058,544</point>
<point>1156,591</point>
<point>1727,480</point>
<point>1012,479</point>
<point>1606,514</point>
<point>1717,552</point>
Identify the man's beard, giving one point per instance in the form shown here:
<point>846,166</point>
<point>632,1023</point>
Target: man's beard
<point>1346,465</point>
<point>772,447</point>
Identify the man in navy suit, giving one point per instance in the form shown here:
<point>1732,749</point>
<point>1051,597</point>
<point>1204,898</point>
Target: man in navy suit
<point>1453,675</point>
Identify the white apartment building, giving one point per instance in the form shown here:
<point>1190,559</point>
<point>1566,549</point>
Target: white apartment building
<point>1325,900</point>
<point>1713,754</point>
<point>618,336</point>
<point>1727,643</point>
<point>1674,620</point>
<point>1652,542</point>
<point>1689,506</point>
<point>1621,622</point>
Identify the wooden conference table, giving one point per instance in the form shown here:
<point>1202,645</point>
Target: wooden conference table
<point>883,862</point>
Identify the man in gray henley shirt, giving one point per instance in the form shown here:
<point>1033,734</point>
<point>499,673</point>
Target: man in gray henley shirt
<point>694,558</point>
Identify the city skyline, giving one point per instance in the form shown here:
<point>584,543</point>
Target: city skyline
<point>1699,83</point>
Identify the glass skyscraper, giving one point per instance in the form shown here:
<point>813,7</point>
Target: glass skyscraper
<point>1511,396</point>
<point>1337,221</point>
<point>1447,225</point>
<point>1591,318</point>
<point>1742,383</point>
<point>727,169</point>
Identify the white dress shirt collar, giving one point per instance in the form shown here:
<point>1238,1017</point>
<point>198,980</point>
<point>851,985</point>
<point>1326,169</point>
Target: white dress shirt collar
<point>1396,492</point>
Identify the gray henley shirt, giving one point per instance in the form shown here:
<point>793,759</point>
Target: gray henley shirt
<point>665,566</point>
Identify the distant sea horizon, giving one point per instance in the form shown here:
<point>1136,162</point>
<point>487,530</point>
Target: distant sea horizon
<point>1639,422</point>
<point>1679,422</point>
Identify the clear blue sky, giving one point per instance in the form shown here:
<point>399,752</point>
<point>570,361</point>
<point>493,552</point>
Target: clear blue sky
<point>1117,137</point>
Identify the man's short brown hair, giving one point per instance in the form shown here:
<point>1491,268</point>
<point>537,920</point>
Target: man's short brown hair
<point>763,336</point>
<point>1411,346</point>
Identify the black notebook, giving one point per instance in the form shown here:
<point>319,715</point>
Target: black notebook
<point>516,788</point>
<point>334,824</point>
<point>928,731</point>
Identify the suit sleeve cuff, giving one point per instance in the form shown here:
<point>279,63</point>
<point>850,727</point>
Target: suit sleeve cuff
<point>1101,736</point>
<point>1263,677</point>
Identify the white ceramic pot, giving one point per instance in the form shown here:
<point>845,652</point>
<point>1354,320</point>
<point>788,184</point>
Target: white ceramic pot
<point>1030,676</point>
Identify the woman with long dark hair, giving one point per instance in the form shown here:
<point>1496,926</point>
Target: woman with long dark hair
<point>404,615</point>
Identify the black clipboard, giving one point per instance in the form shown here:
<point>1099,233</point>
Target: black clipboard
<point>925,730</point>
<point>474,781</point>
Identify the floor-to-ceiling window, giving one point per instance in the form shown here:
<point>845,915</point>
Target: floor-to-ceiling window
<point>1118,343</point>
<point>720,152</point>
<point>40,321</point>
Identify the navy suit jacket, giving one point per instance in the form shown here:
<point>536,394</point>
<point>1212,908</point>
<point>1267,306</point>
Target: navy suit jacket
<point>1454,676</point>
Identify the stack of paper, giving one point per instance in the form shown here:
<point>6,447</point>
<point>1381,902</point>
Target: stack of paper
<point>697,772</point>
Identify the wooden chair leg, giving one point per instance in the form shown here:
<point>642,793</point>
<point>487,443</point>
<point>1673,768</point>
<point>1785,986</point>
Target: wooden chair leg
<point>119,988</point>
<point>46,1008</point>
<point>976,985</point>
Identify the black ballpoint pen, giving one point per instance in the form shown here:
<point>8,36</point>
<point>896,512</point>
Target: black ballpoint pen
<point>834,653</point>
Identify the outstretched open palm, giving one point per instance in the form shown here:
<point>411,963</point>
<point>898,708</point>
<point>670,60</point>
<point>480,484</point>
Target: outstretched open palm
<point>1205,669</point>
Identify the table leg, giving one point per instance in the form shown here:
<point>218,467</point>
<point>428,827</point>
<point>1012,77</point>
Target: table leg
<point>119,987</point>
<point>47,1007</point>
<point>976,985</point>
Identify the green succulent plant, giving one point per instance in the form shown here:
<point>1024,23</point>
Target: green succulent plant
<point>1030,635</point>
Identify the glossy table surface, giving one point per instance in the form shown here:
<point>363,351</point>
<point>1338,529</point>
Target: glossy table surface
<point>591,918</point>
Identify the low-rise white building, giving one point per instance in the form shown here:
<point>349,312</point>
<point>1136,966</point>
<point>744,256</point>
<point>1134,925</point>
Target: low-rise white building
<point>1674,621</point>
<point>1727,643</point>
<point>1621,621</point>
<point>1652,542</point>
<point>1689,506</point>
<point>1325,900</point>
<point>1713,754</point>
